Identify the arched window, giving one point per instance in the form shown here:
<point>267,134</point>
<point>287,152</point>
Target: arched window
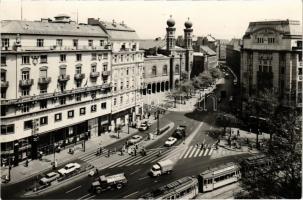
<point>177,69</point>
<point>154,71</point>
<point>165,70</point>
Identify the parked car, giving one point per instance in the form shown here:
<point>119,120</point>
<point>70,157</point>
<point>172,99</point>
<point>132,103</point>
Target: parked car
<point>143,127</point>
<point>170,141</point>
<point>69,168</point>
<point>134,139</point>
<point>50,177</point>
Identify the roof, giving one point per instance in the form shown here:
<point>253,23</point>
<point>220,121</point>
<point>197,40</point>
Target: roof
<point>113,178</point>
<point>148,44</point>
<point>207,50</point>
<point>119,31</point>
<point>198,54</point>
<point>223,41</point>
<point>220,169</point>
<point>210,38</point>
<point>43,28</point>
<point>286,27</point>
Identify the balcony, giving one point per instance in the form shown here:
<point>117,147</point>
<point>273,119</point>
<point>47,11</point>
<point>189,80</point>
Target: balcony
<point>4,85</point>
<point>44,80</point>
<point>106,86</point>
<point>299,77</point>
<point>26,83</point>
<point>300,63</point>
<point>63,78</point>
<point>79,76</point>
<point>105,74</point>
<point>94,74</point>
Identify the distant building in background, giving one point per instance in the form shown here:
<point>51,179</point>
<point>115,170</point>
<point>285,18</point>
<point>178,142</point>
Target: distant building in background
<point>233,55</point>
<point>271,57</point>
<point>221,50</point>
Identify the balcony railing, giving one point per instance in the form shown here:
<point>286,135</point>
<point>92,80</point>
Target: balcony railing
<point>79,76</point>
<point>26,83</point>
<point>63,78</point>
<point>4,84</point>
<point>105,74</point>
<point>44,80</point>
<point>94,74</point>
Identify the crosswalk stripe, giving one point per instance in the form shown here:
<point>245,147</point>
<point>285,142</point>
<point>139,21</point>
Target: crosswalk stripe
<point>134,159</point>
<point>193,151</point>
<point>182,154</point>
<point>206,151</point>
<point>197,152</point>
<point>211,150</point>
<point>188,151</point>
<point>157,157</point>
<point>141,159</point>
<point>201,152</point>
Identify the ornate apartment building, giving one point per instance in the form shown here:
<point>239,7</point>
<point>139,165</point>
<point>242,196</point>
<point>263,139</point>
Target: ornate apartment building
<point>271,57</point>
<point>57,85</point>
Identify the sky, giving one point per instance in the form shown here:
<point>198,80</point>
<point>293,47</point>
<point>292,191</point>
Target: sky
<point>222,19</point>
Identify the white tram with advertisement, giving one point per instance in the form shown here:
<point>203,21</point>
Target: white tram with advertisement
<point>220,176</point>
<point>184,188</point>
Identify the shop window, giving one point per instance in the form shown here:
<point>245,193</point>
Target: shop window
<point>43,121</point>
<point>82,111</point>
<point>7,129</point>
<point>103,105</point>
<point>93,108</point>
<point>58,117</point>
<point>70,114</point>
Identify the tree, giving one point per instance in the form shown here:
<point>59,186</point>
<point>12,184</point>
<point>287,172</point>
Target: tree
<point>184,76</point>
<point>187,87</point>
<point>215,73</point>
<point>202,81</point>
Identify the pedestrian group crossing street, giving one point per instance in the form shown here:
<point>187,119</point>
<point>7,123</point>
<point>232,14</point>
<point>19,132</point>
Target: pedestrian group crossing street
<point>152,155</point>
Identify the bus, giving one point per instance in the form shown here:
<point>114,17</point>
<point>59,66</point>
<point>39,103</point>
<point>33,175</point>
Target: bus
<point>217,177</point>
<point>184,188</point>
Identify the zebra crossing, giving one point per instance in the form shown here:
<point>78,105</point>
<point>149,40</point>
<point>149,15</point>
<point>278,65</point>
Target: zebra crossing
<point>196,151</point>
<point>92,156</point>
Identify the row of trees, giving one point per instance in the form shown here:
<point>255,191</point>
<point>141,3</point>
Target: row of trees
<point>186,86</point>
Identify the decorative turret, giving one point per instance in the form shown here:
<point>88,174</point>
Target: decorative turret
<point>188,34</point>
<point>170,34</point>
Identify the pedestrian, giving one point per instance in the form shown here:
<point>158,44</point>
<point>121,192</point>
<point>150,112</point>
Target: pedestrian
<point>108,153</point>
<point>201,147</point>
<point>136,146</point>
<point>238,133</point>
<point>135,151</point>
<point>97,172</point>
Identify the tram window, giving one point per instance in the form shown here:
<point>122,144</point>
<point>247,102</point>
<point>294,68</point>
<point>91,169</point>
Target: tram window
<point>205,181</point>
<point>210,181</point>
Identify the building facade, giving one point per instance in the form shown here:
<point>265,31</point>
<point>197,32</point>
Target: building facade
<point>233,55</point>
<point>51,84</point>
<point>271,57</point>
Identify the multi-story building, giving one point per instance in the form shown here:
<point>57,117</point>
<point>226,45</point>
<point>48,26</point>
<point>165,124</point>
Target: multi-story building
<point>271,57</point>
<point>221,49</point>
<point>127,72</point>
<point>233,55</point>
<point>52,85</point>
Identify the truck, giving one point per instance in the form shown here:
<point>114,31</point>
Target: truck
<point>103,183</point>
<point>180,132</point>
<point>162,167</point>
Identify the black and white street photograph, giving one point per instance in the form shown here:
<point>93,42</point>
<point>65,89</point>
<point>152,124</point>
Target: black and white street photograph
<point>137,99</point>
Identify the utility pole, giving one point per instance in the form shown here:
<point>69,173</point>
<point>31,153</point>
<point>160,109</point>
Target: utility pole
<point>158,129</point>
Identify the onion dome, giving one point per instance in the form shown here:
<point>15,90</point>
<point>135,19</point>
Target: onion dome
<point>170,22</point>
<point>188,24</point>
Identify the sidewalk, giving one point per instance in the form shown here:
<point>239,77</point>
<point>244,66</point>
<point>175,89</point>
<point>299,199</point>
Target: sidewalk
<point>36,167</point>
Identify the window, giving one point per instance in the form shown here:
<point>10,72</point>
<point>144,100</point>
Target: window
<point>25,60</point>
<point>43,59</point>
<point>25,108</point>
<point>5,42</point>
<point>127,84</point>
<point>260,40</point>
<point>177,69</point>
<point>3,60</point>
<point>123,46</point>
<point>90,43</point>
<point>94,68</point>
<point>300,71</point>
<point>63,87</point>
<point>62,100</point>
<point>105,67</point>
<point>115,87</point>
<point>3,76</point>
<point>300,57</point>
<point>78,70</point>
<point>115,58</point>
<point>94,56</point>
<point>78,57</point>
<point>115,101</point>
<point>43,104</point>
<point>121,58</point>
<point>59,42</point>
<point>121,99</point>
<point>78,97</point>
<point>7,129</point>
<point>3,108</point>
<point>154,71</point>
<point>43,73</point>
<point>103,105</point>
<point>82,111</point>
<point>70,114</point>
<point>62,58</point>
<point>101,43</point>
<point>58,117</point>
<point>28,124</point>
<point>75,42</point>
<point>271,40</point>
<point>93,108</point>
<point>127,71</point>
<point>25,75</point>
<point>40,42</point>
<point>165,70</point>
<point>43,120</point>
<point>121,86</point>
<point>25,92</point>
<point>134,47</point>
<point>78,84</point>
<point>62,71</point>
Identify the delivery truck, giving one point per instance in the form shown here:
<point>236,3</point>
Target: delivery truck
<point>103,183</point>
<point>162,167</point>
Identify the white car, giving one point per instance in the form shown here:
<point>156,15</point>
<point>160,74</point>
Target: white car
<point>69,168</point>
<point>170,141</point>
<point>143,127</point>
<point>50,177</point>
<point>134,139</point>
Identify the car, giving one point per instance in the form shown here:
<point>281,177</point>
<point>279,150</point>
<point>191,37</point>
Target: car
<point>50,177</point>
<point>170,141</point>
<point>143,127</point>
<point>69,168</point>
<point>134,139</point>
